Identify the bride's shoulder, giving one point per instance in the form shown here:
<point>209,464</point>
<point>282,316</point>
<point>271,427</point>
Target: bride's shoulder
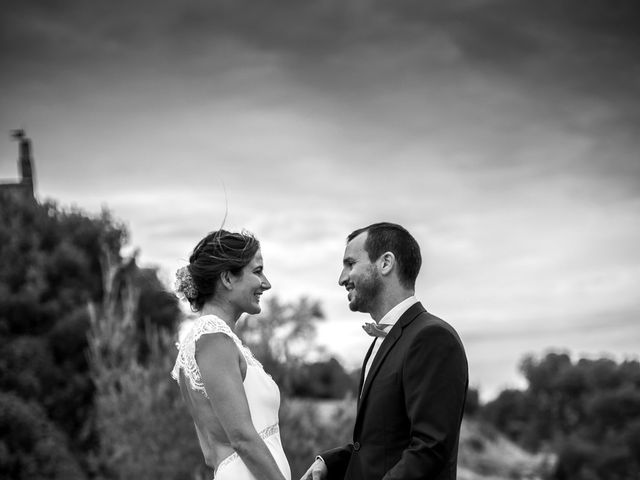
<point>211,332</point>
<point>210,324</point>
<point>202,327</point>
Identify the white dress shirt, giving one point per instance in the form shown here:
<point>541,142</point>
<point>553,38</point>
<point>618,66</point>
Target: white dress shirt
<point>390,318</point>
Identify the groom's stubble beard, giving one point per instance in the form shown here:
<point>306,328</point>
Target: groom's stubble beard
<point>367,291</point>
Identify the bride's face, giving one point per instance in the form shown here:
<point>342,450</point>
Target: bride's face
<point>248,286</point>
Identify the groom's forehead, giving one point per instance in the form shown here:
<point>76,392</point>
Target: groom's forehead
<point>355,246</point>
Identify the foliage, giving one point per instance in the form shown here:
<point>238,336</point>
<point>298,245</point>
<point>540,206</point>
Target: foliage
<point>281,336</point>
<point>486,454</point>
<point>324,380</point>
<point>49,269</point>
<point>309,427</point>
<point>52,264</point>
<point>144,428</point>
<point>472,403</point>
<point>588,411</point>
<point>157,308</point>
<point>31,447</point>
<point>273,333</point>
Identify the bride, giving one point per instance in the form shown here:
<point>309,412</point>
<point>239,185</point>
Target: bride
<point>233,402</point>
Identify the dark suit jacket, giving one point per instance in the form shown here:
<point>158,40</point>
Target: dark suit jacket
<point>409,413</point>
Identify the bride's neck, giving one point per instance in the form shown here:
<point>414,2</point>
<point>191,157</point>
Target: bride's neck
<point>223,311</point>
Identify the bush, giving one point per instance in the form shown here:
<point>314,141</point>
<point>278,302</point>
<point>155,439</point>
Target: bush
<point>308,427</point>
<point>144,429</point>
<point>586,411</point>
<point>31,447</point>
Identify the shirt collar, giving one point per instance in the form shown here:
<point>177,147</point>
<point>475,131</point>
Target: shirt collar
<point>396,312</point>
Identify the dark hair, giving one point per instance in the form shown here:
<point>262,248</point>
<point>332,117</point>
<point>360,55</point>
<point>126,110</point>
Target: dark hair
<point>218,252</point>
<point>390,237</point>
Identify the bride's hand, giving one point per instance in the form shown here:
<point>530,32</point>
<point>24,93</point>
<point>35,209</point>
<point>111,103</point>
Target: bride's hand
<point>317,471</point>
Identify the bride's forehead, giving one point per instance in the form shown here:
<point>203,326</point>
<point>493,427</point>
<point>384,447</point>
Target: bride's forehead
<point>257,259</point>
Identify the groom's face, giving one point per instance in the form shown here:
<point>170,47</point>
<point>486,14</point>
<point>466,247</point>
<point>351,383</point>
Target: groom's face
<point>360,276</point>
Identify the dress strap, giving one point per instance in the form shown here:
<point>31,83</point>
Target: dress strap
<point>186,359</point>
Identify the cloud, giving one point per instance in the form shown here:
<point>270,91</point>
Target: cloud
<point>313,33</point>
<point>502,133</point>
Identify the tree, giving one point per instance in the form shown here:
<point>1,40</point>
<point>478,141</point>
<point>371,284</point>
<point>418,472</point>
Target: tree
<point>587,411</point>
<point>32,447</point>
<point>143,426</point>
<point>282,336</point>
<point>325,380</point>
<point>49,270</point>
<point>53,263</point>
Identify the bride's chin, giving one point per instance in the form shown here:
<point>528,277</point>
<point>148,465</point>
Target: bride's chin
<point>256,308</point>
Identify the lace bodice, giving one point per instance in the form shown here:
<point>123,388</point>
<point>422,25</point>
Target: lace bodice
<point>186,359</point>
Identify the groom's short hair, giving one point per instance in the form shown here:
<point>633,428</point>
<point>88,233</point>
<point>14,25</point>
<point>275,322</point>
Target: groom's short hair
<point>391,237</point>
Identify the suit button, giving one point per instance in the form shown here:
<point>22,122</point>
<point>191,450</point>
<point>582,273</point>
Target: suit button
<point>356,446</point>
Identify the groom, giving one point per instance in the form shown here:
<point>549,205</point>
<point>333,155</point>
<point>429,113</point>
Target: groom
<point>414,377</point>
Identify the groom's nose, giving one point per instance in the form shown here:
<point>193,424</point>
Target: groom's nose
<point>343,278</point>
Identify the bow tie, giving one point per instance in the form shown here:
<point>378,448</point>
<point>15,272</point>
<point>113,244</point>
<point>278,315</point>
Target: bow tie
<point>376,330</point>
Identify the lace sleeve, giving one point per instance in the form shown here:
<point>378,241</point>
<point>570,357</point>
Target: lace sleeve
<point>186,360</point>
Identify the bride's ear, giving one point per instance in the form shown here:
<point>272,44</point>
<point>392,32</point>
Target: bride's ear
<point>225,279</point>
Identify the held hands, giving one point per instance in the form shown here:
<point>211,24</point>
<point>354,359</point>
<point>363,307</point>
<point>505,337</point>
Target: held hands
<point>317,471</point>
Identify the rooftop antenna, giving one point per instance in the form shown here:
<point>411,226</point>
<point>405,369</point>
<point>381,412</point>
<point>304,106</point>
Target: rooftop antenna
<point>18,134</point>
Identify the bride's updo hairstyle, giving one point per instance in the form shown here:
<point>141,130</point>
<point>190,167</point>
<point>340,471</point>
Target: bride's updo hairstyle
<point>216,253</point>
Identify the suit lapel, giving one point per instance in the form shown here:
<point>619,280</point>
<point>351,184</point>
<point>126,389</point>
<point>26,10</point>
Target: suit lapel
<point>389,341</point>
<point>364,366</point>
<point>385,347</point>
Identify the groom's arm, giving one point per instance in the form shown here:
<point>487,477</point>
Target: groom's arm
<point>435,382</point>
<point>336,461</point>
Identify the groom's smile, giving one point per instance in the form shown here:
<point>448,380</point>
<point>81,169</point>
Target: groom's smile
<point>359,276</point>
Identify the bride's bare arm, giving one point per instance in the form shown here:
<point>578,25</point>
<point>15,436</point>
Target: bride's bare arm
<point>218,359</point>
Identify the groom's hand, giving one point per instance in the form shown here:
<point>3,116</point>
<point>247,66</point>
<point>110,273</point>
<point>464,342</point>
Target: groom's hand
<point>317,471</point>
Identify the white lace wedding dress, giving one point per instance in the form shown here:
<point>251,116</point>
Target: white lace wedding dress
<point>262,394</point>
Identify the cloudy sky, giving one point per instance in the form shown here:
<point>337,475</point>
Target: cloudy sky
<point>504,134</point>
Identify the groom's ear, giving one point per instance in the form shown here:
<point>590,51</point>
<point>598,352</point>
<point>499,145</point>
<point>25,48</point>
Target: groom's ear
<point>386,263</point>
